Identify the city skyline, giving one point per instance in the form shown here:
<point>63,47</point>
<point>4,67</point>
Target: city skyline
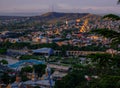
<point>41,6</point>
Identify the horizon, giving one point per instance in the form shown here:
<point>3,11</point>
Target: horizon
<point>40,13</point>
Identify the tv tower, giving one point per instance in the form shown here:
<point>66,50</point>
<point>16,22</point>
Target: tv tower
<point>52,8</point>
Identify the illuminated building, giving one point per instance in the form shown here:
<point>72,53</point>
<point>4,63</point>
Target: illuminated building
<point>84,27</point>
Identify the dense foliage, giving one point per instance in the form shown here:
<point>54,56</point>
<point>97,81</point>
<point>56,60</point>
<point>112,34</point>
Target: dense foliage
<point>39,69</point>
<point>27,57</point>
<point>3,61</point>
<point>112,35</point>
<point>3,50</point>
<point>112,16</point>
<point>102,71</point>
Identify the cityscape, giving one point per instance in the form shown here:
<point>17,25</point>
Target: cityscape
<point>63,45</point>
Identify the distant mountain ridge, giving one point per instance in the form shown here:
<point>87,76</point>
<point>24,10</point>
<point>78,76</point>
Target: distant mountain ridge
<point>10,17</point>
<point>52,16</point>
<point>56,16</point>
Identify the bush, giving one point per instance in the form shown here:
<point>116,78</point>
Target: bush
<point>3,51</point>
<point>4,62</point>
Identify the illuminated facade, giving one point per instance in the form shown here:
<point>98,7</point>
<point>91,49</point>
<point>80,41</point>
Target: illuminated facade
<point>84,27</point>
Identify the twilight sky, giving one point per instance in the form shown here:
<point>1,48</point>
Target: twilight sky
<point>28,6</point>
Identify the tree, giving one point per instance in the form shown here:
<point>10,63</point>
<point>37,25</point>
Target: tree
<point>72,80</point>
<point>27,69</point>
<point>4,61</point>
<point>27,57</point>
<point>101,59</point>
<point>75,78</point>
<point>107,82</point>
<point>40,69</point>
<point>3,51</point>
<point>118,1</point>
<point>24,78</point>
<point>112,35</point>
<point>102,63</point>
<point>112,17</point>
<point>5,78</point>
<point>105,64</point>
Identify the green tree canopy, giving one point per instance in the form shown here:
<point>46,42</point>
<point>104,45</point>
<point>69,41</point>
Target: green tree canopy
<point>118,1</point>
<point>113,35</point>
<point>106,82</point>
<point>4,61</point>
<point>72,80</point>
<point>40,69</point>
<point>102,60</point>
<point>3,51</point>
<point>112,17</point>
<point>27,69</point>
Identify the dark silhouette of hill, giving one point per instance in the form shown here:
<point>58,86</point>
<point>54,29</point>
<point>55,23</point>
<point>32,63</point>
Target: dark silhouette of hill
<point>10,17</point>
<point>55,16</point>
<point>112,17</point>
<point>51,17</point>
<point>58,15</point>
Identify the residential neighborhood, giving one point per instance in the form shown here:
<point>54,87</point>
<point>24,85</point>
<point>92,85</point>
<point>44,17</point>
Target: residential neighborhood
<point>60,49</point>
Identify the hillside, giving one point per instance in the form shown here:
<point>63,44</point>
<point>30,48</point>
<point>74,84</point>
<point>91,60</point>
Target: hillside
<point>112,17</point>
<point>55,16</point>
<point>51,17</point>
<point>10,17</point>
